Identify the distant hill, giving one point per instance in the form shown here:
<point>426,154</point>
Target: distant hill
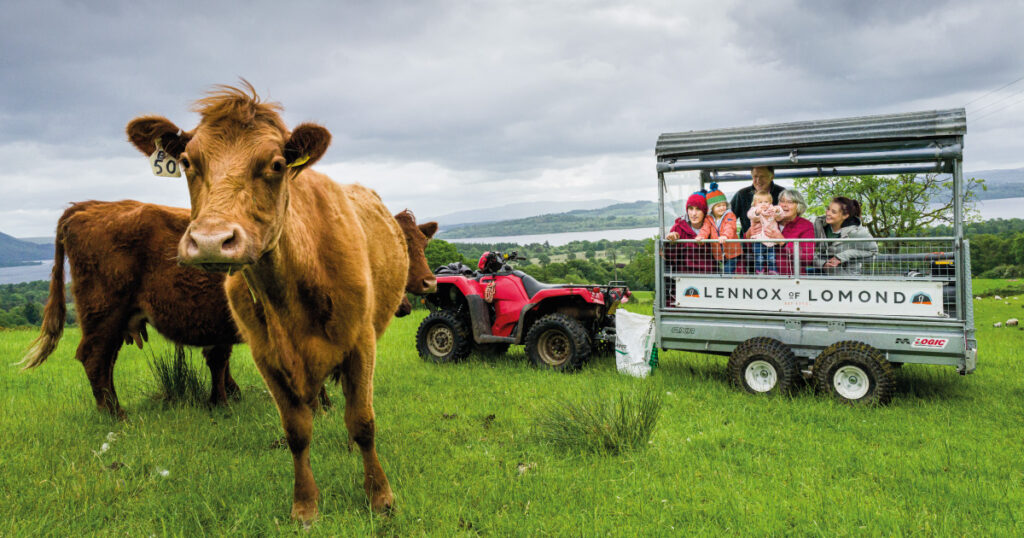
<point>639,214</point>
<point>513,211</point>
<point>1000,183</point>
<point>15,251</point>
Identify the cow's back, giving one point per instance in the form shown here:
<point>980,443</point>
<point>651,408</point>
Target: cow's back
<point>362,250</point>
<point>388,255</point>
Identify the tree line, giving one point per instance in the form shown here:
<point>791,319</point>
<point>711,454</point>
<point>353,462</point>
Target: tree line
<point>997,251</point>
<point>21,305</point>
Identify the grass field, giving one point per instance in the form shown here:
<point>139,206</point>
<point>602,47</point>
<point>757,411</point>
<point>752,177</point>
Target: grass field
<point>461,449</point>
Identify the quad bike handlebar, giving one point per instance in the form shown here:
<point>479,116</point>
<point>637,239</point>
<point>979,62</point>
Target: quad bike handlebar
<point>494,261</point>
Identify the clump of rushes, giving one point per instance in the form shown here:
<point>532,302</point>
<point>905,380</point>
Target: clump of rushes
<point>599,425</point>
<point>177,379</point>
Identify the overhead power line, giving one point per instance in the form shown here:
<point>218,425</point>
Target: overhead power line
<point>993,91</point>
<point>997,101</point>
<point>1000,109</point>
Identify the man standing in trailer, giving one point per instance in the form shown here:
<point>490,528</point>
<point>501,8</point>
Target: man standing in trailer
<point>763,181</point>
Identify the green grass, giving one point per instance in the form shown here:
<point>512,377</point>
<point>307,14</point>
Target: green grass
<point>465,455</point>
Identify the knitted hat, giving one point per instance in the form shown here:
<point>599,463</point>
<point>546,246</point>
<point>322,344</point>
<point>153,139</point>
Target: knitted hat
<point>697,200</point>
<point>716,196</point>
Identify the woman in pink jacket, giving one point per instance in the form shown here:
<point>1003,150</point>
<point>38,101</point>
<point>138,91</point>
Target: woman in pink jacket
<point>793,226</point>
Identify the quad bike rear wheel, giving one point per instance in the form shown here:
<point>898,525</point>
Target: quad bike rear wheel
<point>763,365</point>
<point>558,342</point>
<point>854,373</point>
<point>443,337</point>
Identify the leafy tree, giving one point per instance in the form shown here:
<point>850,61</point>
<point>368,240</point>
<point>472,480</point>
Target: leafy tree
<point>33,313</point>
<point>639,273</point>
<point>543,259</point>
<point>590,254</point>
<point>440,252</point>
<point>893,206</point>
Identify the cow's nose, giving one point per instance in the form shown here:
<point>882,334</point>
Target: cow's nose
<point>221,245</point>
<point>429,285</point>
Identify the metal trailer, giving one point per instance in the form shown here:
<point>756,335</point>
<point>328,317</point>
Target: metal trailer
<point>911,303</point>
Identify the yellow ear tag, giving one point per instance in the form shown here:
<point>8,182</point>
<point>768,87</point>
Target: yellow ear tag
<point>162,163</point>
<point>299,162</point>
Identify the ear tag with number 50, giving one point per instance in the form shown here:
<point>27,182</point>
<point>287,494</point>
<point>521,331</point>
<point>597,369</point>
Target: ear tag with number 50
<point>163,164</point>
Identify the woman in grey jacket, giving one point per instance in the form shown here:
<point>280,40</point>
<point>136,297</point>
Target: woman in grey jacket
<point>842,221</point>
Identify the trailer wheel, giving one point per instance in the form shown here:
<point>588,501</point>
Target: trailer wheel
<point>854,373</point>
<point>443,337</point>
<point>763,366</point>
<point>558,342</point>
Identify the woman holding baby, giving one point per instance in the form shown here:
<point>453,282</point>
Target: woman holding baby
<point>774,224</point>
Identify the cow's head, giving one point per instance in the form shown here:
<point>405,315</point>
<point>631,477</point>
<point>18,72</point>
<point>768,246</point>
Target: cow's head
<point>238,161</point>
<point>421,279</point>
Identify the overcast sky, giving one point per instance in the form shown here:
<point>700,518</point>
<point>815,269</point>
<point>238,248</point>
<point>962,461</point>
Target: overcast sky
<point>443,106</point>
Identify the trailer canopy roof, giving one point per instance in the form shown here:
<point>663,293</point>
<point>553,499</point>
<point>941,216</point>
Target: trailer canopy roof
<point>934,138</point>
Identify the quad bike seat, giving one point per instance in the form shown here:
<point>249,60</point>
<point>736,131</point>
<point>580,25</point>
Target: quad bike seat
<point>534,286</point>
<point>455,268</point>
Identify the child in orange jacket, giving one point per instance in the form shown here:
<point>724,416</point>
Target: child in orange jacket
<point>723,226</point>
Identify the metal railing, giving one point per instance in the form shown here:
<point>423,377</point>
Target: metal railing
<point>931,260</point>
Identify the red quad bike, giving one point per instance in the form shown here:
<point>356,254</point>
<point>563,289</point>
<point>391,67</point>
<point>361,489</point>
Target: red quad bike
<point>490,309</point>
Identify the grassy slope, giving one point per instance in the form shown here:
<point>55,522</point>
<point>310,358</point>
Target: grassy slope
<point>943,458</point>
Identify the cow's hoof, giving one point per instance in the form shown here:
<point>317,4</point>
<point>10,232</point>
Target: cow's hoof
<point>305,512</point>
<point>383,502</point>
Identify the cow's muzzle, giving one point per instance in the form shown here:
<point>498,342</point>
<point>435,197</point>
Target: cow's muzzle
<point>427,285</point>
<point>216,246</point>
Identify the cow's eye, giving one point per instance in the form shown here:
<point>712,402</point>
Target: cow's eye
<point>277,166</point>
<point>185,164</point>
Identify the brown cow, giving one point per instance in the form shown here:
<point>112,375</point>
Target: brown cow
<point>316,269</point>
<point>123,261</point>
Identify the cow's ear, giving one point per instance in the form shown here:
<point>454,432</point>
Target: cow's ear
<point>143,132</point>
<point>428,229</point>
<point>306,145</point>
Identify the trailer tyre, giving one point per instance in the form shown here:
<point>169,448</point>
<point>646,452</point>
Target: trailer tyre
<point>763,366</point>
<point>558,342</point>
<point>443,337</point>
<point>854,373</point>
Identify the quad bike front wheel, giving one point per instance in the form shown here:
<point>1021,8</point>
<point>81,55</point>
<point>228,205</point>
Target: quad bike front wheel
<point>443,337</point>
<point>558,342</point>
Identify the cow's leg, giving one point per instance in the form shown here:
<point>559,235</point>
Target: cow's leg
<point>297,419</point>
<point>97,352</point>
<point>221,383</point>
<point>357,382</point>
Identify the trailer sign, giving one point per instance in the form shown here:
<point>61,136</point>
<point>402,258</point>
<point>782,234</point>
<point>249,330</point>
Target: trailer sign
<point>826,295</point>
<point>934,343</point>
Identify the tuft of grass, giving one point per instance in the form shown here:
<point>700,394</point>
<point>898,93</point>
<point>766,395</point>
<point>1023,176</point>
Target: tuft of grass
<point>598,425</point>
<point>178,381</point>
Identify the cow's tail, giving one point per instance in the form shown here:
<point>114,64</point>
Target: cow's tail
<point>55,311</point>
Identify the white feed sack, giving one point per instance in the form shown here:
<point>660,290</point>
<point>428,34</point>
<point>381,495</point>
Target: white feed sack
<point>634,340</point>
